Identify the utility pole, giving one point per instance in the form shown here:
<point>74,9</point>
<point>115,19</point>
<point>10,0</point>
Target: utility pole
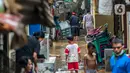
<point>93,9</point>
<point>119,24</point>
<point>117,19</point>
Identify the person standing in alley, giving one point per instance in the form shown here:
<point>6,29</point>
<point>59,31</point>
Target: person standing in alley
<point>72,52</point>
<point>88,22</point>
<point>119,62</point>
<point>40,36</point>
<point>75,26</point>
<point>90,65</point>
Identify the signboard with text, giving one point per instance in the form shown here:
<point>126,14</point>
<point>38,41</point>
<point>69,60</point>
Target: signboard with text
<point>119,9</point>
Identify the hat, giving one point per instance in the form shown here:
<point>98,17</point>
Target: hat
<point>70,38</point>
<point>73,13</point>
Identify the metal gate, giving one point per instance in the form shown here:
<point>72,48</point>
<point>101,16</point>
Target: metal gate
<point>1,54</point>
<point>4,59</point>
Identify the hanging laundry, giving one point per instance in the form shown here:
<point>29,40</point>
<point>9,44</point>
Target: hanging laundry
<point>105,7</point>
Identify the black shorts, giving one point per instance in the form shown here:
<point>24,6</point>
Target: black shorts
<point>75,31</point>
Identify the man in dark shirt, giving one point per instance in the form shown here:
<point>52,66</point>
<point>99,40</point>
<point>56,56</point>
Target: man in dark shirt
<point>31,49</point>
<point>74,22</point>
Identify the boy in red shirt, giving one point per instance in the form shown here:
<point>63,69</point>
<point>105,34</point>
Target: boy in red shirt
<point>72,52</point>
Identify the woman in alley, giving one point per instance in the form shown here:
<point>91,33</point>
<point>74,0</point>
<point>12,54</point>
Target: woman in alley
<point>88,22</point>
<point>26,64</point>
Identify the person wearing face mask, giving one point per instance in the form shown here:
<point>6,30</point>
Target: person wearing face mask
<point>119,62</point>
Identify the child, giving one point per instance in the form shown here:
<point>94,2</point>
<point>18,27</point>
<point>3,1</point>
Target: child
<point>26,63</point>
<point>72,52</point>
<point>90,60</point>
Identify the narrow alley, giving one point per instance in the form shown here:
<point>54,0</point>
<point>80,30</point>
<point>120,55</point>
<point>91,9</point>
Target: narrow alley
<point>58,51</point>
<point>62,36</point>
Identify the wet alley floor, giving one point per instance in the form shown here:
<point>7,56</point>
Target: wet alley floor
<point>58,48</point>
<point>58,51</point>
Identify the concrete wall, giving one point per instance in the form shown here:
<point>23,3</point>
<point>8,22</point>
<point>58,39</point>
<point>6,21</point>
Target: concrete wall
<point>102,19</point>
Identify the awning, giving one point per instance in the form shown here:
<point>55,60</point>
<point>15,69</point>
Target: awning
<point>11,22</point>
